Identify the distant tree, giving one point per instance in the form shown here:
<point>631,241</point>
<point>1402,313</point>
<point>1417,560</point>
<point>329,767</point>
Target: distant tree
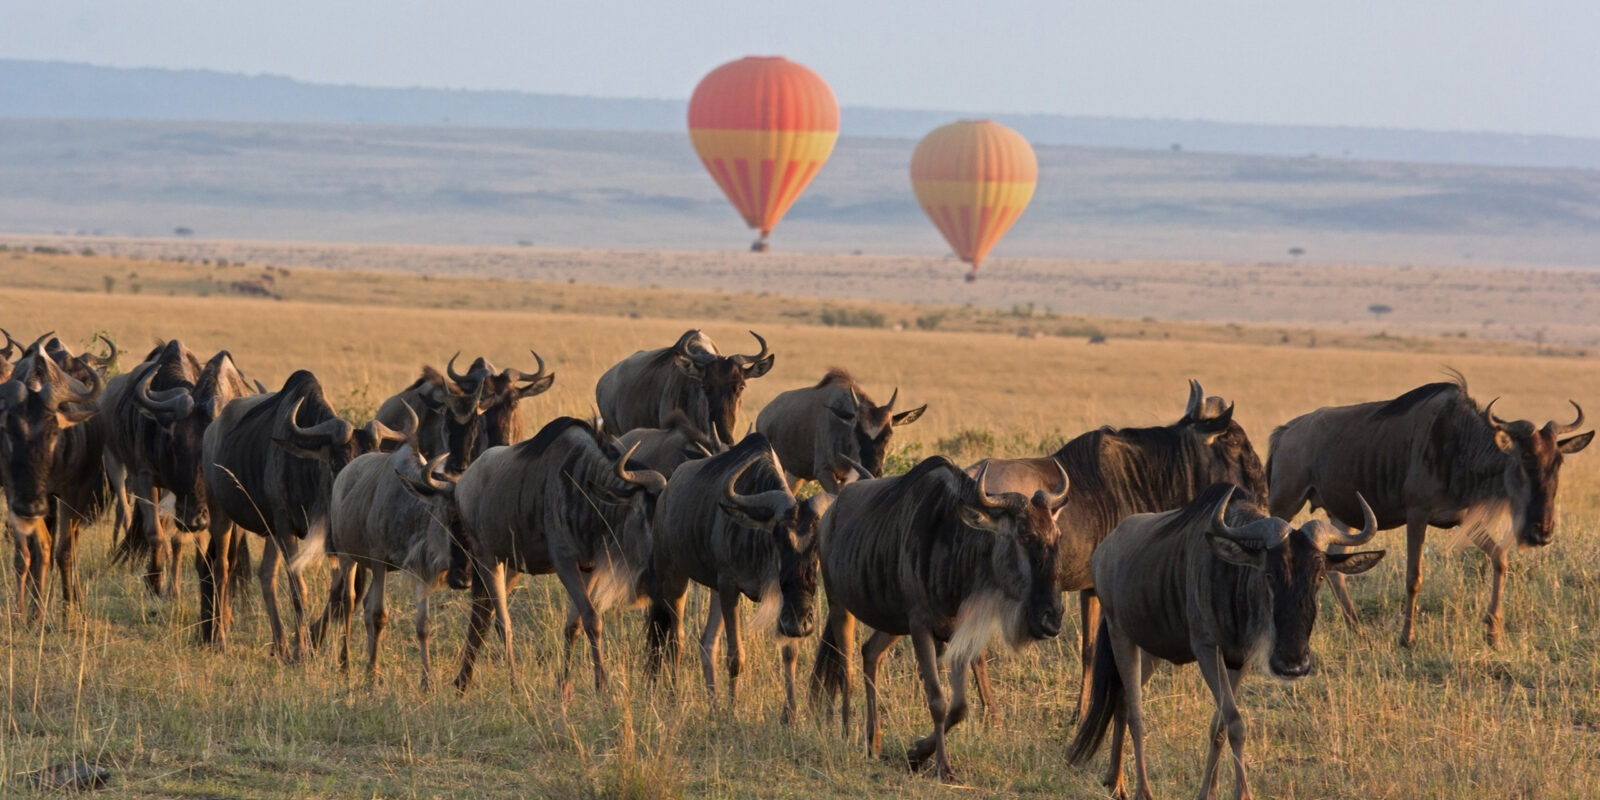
<point>1297,251</point>
<point>182,231</point>
<point>1378,310</point>
<point>1177,148</point>
<point>110,281</point>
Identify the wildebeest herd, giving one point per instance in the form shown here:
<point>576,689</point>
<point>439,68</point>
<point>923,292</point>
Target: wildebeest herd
<point>1177,538</point>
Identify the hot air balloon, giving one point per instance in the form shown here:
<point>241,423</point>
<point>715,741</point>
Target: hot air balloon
<point>763,126</point>
<point>973,178</point>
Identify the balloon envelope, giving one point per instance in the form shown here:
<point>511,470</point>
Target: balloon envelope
<point>973,178</point>
<point>763,126</point>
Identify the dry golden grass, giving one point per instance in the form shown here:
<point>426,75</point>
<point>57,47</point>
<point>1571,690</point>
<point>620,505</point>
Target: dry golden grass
<point>121,683</point>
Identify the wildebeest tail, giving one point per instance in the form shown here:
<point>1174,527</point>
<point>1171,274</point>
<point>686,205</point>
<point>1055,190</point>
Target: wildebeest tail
<point>133,547</point>
<point>1105,697</point>
<point>831,669</point>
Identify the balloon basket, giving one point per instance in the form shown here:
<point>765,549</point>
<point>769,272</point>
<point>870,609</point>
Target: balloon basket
<point>759,246</point>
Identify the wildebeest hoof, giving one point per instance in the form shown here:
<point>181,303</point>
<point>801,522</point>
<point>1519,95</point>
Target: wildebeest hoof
<point>917,757</point>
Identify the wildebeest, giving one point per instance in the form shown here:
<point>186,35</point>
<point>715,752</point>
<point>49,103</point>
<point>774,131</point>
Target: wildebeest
<point>692,376</point>
<point>465,414</point>
<point>1117,472</point>
<point>270,460</point>
<point>665,449</point>
<point>1427,457</point>
<point>820,430</point>
<point>52,444</point>
<point>157,414</point>
<point>391,511</point>
<point>933,554</point>
<point>1217,583</point>
<point>565,501</point>
<point>730,523</point>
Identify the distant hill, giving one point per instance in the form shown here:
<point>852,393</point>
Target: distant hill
<point>54,90</point>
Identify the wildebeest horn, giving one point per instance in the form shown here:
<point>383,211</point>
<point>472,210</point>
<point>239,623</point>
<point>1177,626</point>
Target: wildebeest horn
<point>176,402</point>
<point>101,361</point>
<point>1574,425</point>
<point>1059,499</point>
<point>408,424</point>
<point>648,479</point>
<point>450,369</point>
<point>768,499</point>
<point>1255,535</point>
<point>431,476</point>
<point>889,406</point>
<point>682,345</point>
<point>862,473</point>
<point>62,392</point>
<point>1197,399</point>
<point>333,430</point>
<point>11,345</point>
<point>983,498</point>
<point>520,376</point>
<point>1329,535</point>
<point>757,356</point>
<point>1489,417</point>
<point>38,343</point>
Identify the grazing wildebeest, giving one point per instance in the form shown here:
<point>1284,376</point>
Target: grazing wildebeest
<point>933,554</point>
<point>270,460</point>
<point>1116,472</point>
<point>819,430</point>
<point>52,444</point>
<point>157,414</point>
<point>730,523</point>
<point>1217,583</point>
<point>391,511</point>
<point>665,449</point>
<point>1427,457</point>
<point>643,389</point>
<point>566,502</point>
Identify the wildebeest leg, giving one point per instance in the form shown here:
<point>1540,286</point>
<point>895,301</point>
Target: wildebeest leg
<point>1119,728</point>
<point>729,597</point>
<point>267,574</point>
<point>928,666</point>
<point>1493,625</point>
<point>1336,579</point>
<point>297,597</point>
<point>1221,681</point>
<point>149,498</point>
<point>477,624</point>
<point>708,645</point>
<point>1130,663</point>
<point>500,586</point>
<point>213,567</point>
<point>1416,531</point>
<point>1089,616</point>
<point>871,655</point>
<point>577,584</point>
<point>424,592</point>
<point>66,554</point>
<point>790,652</point>
<point>375,616</point>
<point>42,545</point>
<point>342,609</point>
<point>980,679</point>
<point>918,755</point>
<point>1216,737</point>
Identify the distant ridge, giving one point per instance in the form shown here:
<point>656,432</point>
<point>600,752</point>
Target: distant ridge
<point>47,89</point>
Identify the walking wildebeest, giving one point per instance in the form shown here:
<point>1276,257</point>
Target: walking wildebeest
<point>52,464</point>
<point>157,414</point>
<point>665,449</point>
<point>391,511</point>
<point>564,502</point>
<point>730,523</point>
<point>933,554</point>
<point>641,390</point>
<point>463,415</point>
<point>1114,473</point>
<point>1217,583</point>
<point>820,430</point>
<point>1427,457</point>
<point>270,460</point>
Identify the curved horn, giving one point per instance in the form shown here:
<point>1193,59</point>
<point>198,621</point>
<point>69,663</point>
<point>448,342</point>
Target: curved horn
<point>1489,417</point>
<point>727,491</point>
<point>1059,499</point>
<point>450,369</point>
<point>177,402</point>
<point>984,499</point>
<point>1329,535</point>
<point>760,355</point>
<point>862,473</point>
<point>648,479</point>
<point>1197,399</point>
<point>430,475</point>
<point>37,343</point>
<point>889,406</point>
<point>99,362</point>
<point>333,430</point>
<point>1570,427</point>
<point>408,423</point>
<point>682,345</point>
<point>520,376</point>
<point>62,392</point>
<point>10,346</point>
<point>1263,534</point>
<point>1219,521</point>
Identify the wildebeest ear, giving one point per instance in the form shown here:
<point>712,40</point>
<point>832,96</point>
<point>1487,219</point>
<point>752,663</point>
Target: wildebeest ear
<point>530,389</point>
<point>976,518</point>
<point>756,369</point>
<point>1573,444</point>
<point>908,417</point>
<point>608,494</point>
<point>1354,563</point>
<point>758,517</point>
<point>686,364</point>
<point>1504,441</point>
<point>67,419</point>
<point>320,454</point>
<point>847,416</point>
<point>1232,552</point>
<point>1213,426</point>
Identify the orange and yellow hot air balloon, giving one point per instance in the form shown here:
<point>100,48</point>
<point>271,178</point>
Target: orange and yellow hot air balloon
<point>973,178</point>
<point>763,126</point>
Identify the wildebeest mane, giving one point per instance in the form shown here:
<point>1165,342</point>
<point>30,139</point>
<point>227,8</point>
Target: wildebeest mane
<point>429,376</point>
<point>1242,508</point>
<point>836,376</point>
<point>1145,466</point>
<point>548,435</point>
<point>1404,403</point>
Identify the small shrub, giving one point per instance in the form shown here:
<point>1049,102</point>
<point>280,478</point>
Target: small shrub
<point>928,322</point>
<point>847,318</point>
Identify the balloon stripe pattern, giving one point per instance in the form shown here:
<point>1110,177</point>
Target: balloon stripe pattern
<point>973,178</point>
<point>763,127</point>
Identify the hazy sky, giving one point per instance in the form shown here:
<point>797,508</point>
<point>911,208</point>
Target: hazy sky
<point>1528,67</point>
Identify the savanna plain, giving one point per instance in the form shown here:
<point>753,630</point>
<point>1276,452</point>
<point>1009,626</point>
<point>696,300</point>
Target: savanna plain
<point>121,683</point>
